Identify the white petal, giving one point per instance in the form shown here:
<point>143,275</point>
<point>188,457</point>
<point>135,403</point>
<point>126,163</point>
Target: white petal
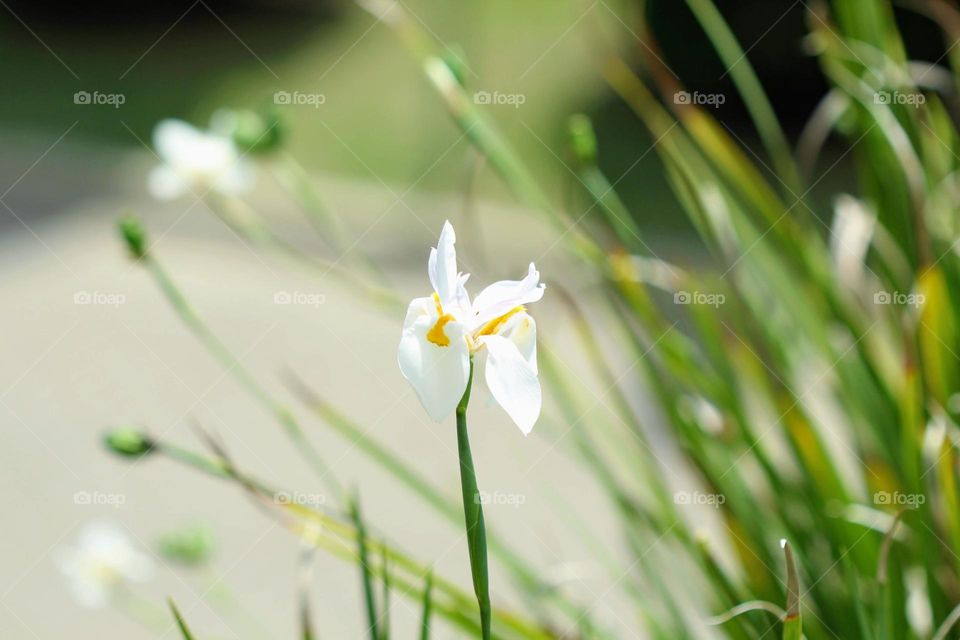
<point>164,183</point>
<point>174,139</point>
<point>501,297</point>
<point>521,330</point>
<point>420,307</point>
<point>235,179</point>
<point>438,374</point>
<point>208,160</point>
<point>512,382</point>
<point>443,266</point>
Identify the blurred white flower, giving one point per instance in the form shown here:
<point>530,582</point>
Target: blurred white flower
<point>441,332</point>
<point>102,561</point>
<point>196,160</point>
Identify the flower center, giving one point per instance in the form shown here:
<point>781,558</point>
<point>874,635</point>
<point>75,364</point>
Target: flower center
<point>494,325</point>
<point>436,334</point>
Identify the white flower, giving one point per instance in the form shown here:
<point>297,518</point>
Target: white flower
<point>442,331</point>
<point>196,160</point>
<point>100,562</point>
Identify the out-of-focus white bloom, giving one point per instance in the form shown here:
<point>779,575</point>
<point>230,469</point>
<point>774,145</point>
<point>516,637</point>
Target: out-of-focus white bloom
<point>196,160</point>
<point>100,562</point>
<point>442,331</point>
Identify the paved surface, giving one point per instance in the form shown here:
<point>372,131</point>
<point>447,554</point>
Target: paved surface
<point>67,370</point>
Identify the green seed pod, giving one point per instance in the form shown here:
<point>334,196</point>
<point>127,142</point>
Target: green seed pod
<point>253,132</point>
<point>128,441</point>
<point>191,545</point>
<point>134,235</point>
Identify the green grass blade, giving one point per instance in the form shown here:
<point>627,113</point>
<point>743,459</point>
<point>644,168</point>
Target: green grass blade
<point>427,606</point>
<point>792,624</point>
<point>184,630</point>
<point>754,97</point>
<point>135,237</point>
<point>385,598</point>
<point>373,622</point>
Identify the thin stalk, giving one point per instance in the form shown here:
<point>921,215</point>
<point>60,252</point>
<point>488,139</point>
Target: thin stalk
<point>473,514</point>
<point>249,225</point>
<point>184,630</point>
<point>363,557</point>
<point>296,179</point>
<point>427,602</point>
<point>338,537</point>
<point>233,366</point>
<point>750,88</point>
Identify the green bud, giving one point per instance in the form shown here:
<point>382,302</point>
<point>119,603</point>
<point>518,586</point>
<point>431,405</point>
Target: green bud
<point>128,441</point>
<point>191,545</point>
<point>134,235</point>
<point>583,141</point>
<point>252,131</point>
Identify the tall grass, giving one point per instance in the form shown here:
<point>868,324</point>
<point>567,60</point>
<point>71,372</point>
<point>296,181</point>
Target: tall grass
<point>808,375</point>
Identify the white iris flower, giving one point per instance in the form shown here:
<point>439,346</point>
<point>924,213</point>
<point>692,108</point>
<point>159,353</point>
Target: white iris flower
<point>196,160</point>
<point>102,561</point>
<point>442,332</point>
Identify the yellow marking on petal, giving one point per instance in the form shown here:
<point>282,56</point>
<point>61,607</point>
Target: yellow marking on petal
<point>436,334</point>
<point>494,325</point>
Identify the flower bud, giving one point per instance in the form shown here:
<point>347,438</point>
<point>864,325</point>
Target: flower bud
<point>128,441</point>
<point>134,235</point>
<point>252,131</point>
<point>583,142</point>
<point>190,545</point>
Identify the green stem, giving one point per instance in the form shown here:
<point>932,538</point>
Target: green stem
<point>473,514</point>
<point>283,415</point>
<point>364,561</point>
